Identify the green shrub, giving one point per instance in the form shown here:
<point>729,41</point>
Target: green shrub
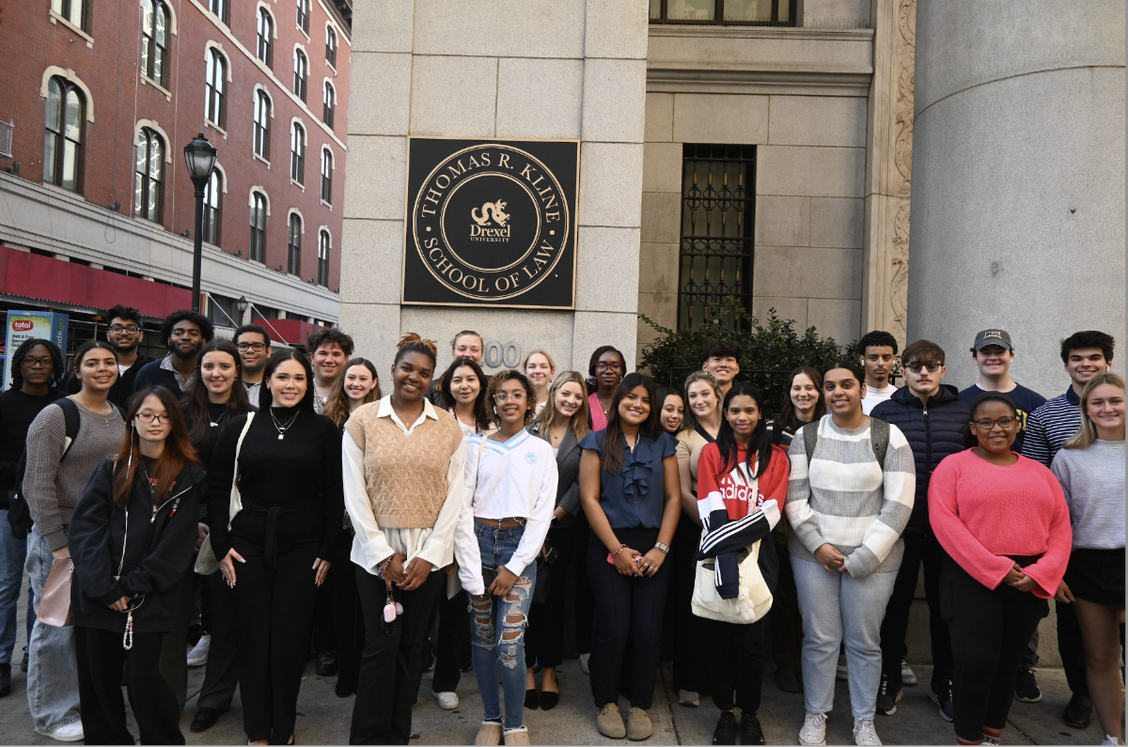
<point>770,352</point>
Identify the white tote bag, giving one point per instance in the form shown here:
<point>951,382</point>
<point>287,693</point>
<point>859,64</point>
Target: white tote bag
<point>206,561</point>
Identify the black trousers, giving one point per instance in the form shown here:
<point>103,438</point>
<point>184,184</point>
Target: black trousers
<point>1071,648</point>
<point>927,550</point>
<point>174,654</point>
<point>100,661</point>
<point>348,626</point>
<point>584,600</point>
<point>275,611</point>
<point>452,639</point>
<point>736,663</point>
<point>392,665</point>
<point>222,672</point>
<point>691,667</point>
<point>628,622</point>
<point>784,620</point>
<point>989,631</point>
<point>544,636</point>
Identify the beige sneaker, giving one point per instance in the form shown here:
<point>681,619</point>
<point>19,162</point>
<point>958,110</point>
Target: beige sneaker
<point>489,733</point>
<point>610,722</point>
<point>520,736</point>
<point>639,725</point>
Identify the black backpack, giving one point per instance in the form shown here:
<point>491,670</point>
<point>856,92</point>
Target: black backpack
<point>19,515</point>
<point>879,439</point>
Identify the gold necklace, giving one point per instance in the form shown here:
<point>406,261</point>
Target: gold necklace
<point>91,409</point>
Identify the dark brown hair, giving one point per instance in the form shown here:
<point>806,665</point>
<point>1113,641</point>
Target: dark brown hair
<point>195,400</point>
<point>612,457</point>
<point>512,375</point>
<point>178,451</point>
<point>787,419</point>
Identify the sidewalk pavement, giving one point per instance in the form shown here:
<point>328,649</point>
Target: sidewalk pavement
<point>323,718</point>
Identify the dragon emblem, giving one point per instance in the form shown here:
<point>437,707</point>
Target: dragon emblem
<point>494,210</point>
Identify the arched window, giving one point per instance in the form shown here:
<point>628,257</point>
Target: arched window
<point>155,28</point>
<point>62,150</point>
<point>324,246</point>
<point>75,11</point>
<point>329,103</point>
<point>215,88</point>
<point>301,73</point>
<point>294,246</point>
<point>265,49</point>
<point>327,175</point>
<point>330,45</point>
<point>262,124</point>
<point>221,9</point>
<point>258,226</point>
<point>213,197</point>
<point>297,153</point>
<point>303,15</point>
<point>148,191</point>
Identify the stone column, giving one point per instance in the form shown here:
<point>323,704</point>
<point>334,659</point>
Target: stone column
<point>569,70</point>
<point>1018,196</point>
<point>889,167</point>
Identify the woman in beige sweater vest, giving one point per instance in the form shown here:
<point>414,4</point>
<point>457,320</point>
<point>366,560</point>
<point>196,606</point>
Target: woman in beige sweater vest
<point>403,470</point>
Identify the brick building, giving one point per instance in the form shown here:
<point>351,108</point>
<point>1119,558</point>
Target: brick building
<point>102,97</point>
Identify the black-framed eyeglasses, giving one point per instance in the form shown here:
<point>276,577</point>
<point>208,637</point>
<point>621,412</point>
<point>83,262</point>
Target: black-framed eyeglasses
<point>916,366</point>
<point>608,366</point>
<point>258,347</point>
<point>988,424</point>
<point>130,329</point>
<point>38,362</point>
<point>152,417</point>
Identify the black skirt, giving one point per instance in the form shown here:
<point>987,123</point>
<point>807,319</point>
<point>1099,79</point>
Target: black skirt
<point>1097,576</point>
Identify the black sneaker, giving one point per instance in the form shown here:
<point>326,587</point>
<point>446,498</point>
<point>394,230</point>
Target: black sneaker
<point>886,699</point>
<point>944,700</point>
<point>326,665</point>
<point>1079,712</point>
<point>23,663</point>
<point>5,679</point>
<point>1026,688</point>
<point>725,733</point>
<point>750,731</point>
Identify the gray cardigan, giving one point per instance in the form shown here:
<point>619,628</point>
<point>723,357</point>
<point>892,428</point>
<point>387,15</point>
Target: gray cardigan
<point>568,468</point>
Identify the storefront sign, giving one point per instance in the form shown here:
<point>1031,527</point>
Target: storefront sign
<point>491,223</point>
<point>25,325</point>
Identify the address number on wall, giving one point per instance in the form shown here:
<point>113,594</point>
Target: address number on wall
<point>499,354</point>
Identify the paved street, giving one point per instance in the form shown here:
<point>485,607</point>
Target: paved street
<point>324,718</point>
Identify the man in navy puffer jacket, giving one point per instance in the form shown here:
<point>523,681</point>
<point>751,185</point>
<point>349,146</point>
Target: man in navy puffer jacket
<point>935,421</point>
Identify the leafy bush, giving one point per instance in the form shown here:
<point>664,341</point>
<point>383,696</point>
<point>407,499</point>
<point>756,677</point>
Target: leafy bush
<point>770,352</point>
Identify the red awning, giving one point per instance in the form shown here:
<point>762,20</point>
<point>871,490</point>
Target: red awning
<point>290,331</point>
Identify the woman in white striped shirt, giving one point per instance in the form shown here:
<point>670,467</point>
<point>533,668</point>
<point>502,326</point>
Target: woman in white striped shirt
<point>848,503</point>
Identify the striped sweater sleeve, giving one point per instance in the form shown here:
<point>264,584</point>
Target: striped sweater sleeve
<point>898,494</point>
<point>803,520</point>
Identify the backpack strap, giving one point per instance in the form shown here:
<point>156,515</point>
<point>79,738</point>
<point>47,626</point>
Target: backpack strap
<point>73,420</point>
<point>879,439</point>
<point>810,438</point>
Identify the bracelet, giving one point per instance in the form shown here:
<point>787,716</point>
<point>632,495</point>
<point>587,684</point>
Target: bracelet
<point>383,567</point>
<point>616,552</point>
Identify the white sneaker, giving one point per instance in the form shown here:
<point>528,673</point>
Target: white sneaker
<point>448,701</point>
<point>689,698</point>
<point>842,674</point>
<point>198,656</point>
<point>814,729</point>
<point>70,733</point>
<point>1109,739</point>
<point>864,733</point>
<point>908,676</point>
<point>584,658</point>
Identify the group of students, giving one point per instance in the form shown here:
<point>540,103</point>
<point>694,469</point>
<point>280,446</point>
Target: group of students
<point>472,499</point>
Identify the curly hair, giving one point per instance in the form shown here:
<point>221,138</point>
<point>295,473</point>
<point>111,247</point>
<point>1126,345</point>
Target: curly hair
<point>512,374</point>
<point>329,336</point>
<point>1090,338</point>
<point>207,329</point>
<point>25,348</point>
<point>413,343</point>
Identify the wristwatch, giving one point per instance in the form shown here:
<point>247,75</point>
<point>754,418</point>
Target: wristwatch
<point>663,547</point>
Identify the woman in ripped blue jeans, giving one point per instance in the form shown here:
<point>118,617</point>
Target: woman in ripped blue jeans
<point>510,495</point>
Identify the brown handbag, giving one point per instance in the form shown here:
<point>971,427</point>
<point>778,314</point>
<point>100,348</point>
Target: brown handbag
<point>55,604</point>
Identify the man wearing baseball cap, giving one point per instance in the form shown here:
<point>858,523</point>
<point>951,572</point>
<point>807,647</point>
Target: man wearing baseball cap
<point>993,354</point>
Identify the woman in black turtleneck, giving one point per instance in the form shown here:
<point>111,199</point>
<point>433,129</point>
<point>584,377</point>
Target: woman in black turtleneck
<point>275,552</point>
<point>214,397</point>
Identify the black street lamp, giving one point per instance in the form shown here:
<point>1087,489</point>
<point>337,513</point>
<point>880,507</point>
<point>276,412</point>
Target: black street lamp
<point>200,157</point>
<point>241,305</point>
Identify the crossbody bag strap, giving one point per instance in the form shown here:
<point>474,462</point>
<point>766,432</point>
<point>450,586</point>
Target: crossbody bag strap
<point>236,503</point>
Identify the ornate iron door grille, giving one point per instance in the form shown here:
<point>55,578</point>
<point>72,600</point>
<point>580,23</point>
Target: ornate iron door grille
<point>718,210</point>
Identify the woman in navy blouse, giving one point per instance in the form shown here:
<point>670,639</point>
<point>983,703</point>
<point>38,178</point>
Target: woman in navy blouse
<point>630,492</point>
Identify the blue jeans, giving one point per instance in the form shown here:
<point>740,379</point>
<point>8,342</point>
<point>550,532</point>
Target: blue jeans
<point>13,553</point>
<point>837,607</point>
<point>498,627</point>
<point>52,672</point>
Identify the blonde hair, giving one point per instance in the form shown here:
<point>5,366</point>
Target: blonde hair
<point>690,421</point>
<point>538,351</point>
<point>548,415</point>
<point>1087,433</point>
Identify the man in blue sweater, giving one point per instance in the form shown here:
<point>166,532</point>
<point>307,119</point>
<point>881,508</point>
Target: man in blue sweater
<point>935,421</point>
<point>184,333</point>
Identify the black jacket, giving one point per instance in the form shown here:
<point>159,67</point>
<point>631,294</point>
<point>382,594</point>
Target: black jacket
<point>157,550</point>
<point>122,389</point>
<point>933,432</point>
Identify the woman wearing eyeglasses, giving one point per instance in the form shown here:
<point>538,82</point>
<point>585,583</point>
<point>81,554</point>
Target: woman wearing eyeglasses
<point>1004,522</point>
<point>607,368</point>
<point>132,538</point>
<point>52,486</point>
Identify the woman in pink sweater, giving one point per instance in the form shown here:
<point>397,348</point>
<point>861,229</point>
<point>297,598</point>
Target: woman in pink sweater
<point>1004,522</point>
